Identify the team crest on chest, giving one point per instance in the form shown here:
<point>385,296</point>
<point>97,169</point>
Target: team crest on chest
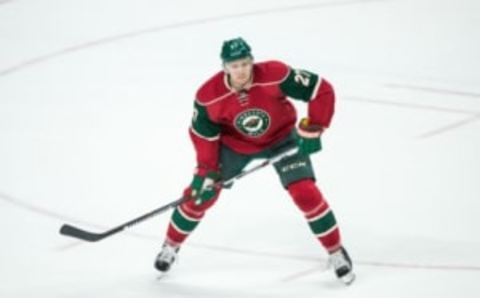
<point>253,122</point>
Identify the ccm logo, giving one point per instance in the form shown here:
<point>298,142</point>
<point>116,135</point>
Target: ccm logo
<point>293,166</point>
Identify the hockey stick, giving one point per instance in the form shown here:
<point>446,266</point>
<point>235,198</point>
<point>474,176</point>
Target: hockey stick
<point>69,230</point>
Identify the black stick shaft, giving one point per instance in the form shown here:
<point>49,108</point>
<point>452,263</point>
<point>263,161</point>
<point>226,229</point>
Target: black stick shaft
<point>69,230</point>
<point>72,231</point>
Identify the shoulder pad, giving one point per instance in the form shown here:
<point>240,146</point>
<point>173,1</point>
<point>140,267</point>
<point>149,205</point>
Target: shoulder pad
<point>271,72</point>
<point>212,90</point>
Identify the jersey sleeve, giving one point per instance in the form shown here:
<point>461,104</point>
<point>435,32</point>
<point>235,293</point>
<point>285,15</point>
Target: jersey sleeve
<point>317,92</point>
<point>205,135</point>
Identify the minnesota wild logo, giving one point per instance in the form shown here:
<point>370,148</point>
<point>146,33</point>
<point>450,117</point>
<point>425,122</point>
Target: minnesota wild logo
<point>253,122</point>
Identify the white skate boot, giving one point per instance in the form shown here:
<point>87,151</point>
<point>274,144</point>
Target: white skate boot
<point>166,257</point>
<point>342,264</point>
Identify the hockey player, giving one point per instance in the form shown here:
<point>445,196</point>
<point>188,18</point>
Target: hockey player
<point>242,113</point>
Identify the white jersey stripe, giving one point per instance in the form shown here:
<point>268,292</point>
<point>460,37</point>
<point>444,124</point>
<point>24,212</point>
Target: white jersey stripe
<point>315,90</point>
<point>221,97</point>
<point>188,209</point>
<point>321,215</point>
<point>211,139</point>
<point>182,213</point>
<point>178,229</point>
<point>326,232</point>
<point>314,210</point>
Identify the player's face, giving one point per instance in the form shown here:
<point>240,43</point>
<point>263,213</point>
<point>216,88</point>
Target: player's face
<point>240,71</point>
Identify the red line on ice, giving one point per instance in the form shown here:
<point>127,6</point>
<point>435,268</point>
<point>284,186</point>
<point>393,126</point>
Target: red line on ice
<point>473,115</point>
<point>407,105</point>
<point>435,90</point>
<point>45,212</point>
<point>110,39</point>
<point>407,266</point>
<point>449,127</point>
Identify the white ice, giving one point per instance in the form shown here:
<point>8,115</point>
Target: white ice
<point>95,103</point>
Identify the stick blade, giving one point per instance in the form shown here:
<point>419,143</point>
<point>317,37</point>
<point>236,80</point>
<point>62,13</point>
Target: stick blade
<point>68,230</point>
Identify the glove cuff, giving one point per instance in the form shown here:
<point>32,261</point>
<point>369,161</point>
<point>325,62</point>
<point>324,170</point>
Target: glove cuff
<point>309,130</point>
<point>204,172</point>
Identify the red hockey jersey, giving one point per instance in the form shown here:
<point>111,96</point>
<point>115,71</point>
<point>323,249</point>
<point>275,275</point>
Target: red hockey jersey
<point>249,121</point>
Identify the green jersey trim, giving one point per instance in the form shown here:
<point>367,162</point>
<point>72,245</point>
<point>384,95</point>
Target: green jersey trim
<point>211,139</point>
<point>202,126</point>
<point>301,84</point>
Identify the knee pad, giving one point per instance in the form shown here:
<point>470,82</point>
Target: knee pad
<point>306,195</point>
<point>198,210</point>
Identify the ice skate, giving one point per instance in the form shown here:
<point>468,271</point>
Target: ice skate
<point>342,264</point>
<point>166,258</point>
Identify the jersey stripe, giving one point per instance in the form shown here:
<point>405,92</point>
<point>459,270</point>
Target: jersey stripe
<point>317,87</point>
<point>221,97</point>
<point>215,100</point>
<point>211,139</point>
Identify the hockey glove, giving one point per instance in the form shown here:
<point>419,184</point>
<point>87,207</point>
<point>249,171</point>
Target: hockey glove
<point>308,140</point>
<point>202,186</point>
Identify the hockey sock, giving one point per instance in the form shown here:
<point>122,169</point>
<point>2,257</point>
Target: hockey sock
<point>320,217</point>
<point>185,219</point>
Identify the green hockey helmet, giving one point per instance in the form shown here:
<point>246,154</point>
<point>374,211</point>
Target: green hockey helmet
<point>235,49</point>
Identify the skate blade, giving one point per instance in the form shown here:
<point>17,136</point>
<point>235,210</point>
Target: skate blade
<point>162,275</point>
<point>348,279</point>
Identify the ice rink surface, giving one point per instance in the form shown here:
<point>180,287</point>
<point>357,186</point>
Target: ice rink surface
<point>96,99</point>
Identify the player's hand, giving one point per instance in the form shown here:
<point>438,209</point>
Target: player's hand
<point>202,186</point>
<point>308,140</point>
